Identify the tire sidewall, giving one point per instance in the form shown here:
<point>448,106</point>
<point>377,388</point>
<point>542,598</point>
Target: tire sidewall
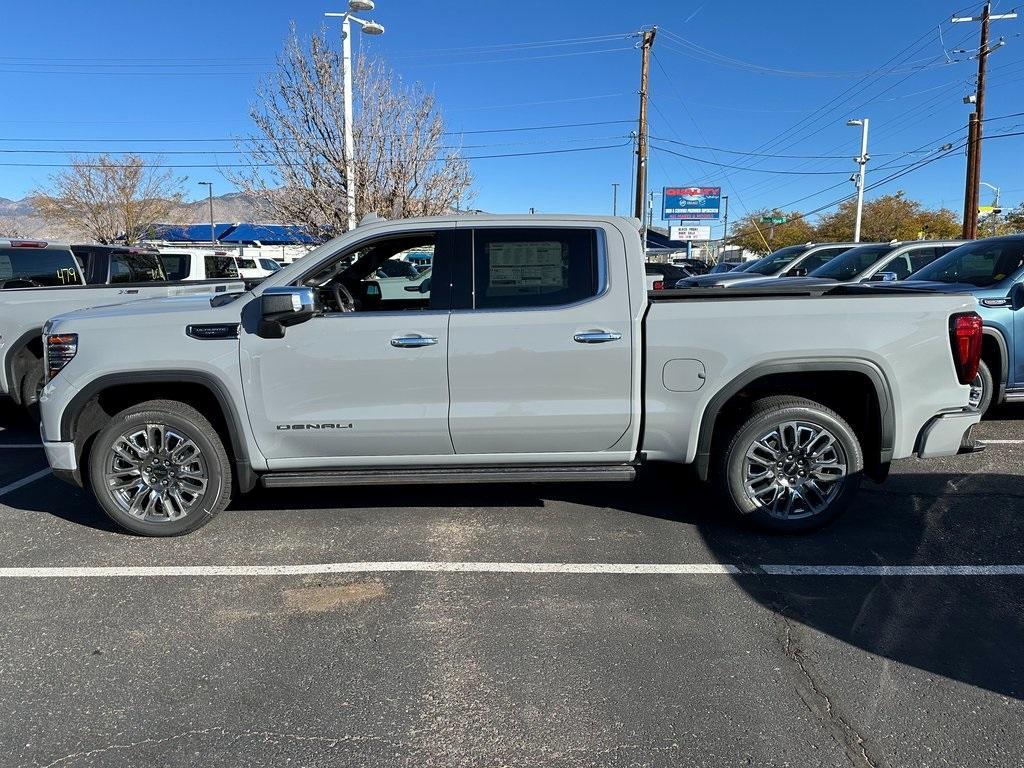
<point>757,425</point>
<point>213,454</point>
<point>987,387</point>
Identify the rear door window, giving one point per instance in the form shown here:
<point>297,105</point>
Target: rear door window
<point>524,267</point>
<point>136,268</point>
<point>176,265</point>
<point>37,267</point>
<point>220,267</point>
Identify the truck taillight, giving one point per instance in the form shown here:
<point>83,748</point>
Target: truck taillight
<point>659,285</point>
<point>965,334</point>
<point>60,350</point>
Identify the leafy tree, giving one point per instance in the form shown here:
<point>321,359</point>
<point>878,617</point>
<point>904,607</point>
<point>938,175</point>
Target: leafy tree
<point>754,235</point>
<point>889,217</point>
<point>110,197</point>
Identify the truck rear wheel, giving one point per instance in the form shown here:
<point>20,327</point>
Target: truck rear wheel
<point>160,469</point>
<point>982,389</point>
<point>793,465</point>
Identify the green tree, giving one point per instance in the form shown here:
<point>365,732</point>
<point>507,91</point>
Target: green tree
<point>754,235</point>
<point>889,217</point>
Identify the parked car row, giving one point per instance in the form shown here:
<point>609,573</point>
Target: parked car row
<point>992,269</point>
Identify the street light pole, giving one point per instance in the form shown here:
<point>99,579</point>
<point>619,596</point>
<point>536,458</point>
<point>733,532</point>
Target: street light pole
<point>369,28</point>
<point>213,229</point>
<point>862,161</point>
<point>615,198</point>
<point>995,202</point>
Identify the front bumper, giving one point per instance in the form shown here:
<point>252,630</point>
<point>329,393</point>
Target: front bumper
<point>63,460</point>
<point>947,434</point>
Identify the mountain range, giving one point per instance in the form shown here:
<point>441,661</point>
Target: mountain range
<point>19,219</point>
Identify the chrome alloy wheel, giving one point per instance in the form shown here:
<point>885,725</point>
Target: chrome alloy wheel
<point>794,470</point>
<point>156,473</point>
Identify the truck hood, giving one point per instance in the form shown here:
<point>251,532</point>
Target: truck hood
<point>198,307</point>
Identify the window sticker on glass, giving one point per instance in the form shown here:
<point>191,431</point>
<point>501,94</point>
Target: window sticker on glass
<point>527,266</point>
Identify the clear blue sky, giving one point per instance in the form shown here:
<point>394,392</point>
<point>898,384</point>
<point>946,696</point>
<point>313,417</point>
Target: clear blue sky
<point>733,75</point>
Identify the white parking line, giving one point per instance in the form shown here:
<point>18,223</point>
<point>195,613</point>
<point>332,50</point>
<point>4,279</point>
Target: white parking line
<point>427,566</point>
<point>25,481</point>
<point>1003,442</point>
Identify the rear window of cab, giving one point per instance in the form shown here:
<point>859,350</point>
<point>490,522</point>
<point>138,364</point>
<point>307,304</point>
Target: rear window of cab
<point>38,268</point>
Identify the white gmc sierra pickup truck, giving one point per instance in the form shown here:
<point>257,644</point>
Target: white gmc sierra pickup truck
<point>533,353</point>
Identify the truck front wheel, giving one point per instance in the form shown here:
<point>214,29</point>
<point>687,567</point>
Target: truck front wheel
<point>792,465</point>
<point>160,469</point>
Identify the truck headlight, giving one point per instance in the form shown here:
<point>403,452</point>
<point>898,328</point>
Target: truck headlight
<point>60,350</point>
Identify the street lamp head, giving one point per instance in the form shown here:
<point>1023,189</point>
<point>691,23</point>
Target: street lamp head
<point>357,6</point>
<point>372,28</point>
<point>205,183</point>
<point>854,122</point>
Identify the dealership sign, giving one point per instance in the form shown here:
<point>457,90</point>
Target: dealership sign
<point>690,203</point>
<point>687,233</point>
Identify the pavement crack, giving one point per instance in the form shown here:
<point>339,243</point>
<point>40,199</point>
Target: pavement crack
<point>819,703</point>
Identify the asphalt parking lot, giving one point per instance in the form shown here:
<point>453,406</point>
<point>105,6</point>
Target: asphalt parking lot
<point>510,626</point>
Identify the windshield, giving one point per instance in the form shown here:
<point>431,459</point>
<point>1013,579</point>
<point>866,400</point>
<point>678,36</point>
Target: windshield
<point>983,263</point>
<point>775,261</point>
<point>850,264</point>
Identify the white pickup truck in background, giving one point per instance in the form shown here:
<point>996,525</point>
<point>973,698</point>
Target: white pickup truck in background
<point>40,279</point>
<point>533,352</point>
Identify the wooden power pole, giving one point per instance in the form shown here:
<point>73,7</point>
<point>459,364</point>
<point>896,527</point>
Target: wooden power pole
<point>975,125</point>
<point>641,141</point>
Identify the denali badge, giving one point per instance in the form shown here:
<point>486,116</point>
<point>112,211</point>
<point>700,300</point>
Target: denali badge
<point>324,425</point>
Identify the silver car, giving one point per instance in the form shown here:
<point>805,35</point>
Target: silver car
<point>791,261</point>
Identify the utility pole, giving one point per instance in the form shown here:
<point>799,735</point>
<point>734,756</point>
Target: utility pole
<point>650,210</point>
<point>725,221</point>
<point>641,142</point>
<point>615,198</point>
<point>974,127</point>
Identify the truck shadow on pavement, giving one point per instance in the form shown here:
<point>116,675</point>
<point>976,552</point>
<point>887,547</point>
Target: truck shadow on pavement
<point>968,629</point>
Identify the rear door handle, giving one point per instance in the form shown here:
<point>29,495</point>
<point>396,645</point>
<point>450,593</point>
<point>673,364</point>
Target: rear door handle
<point>596,337</point>
<point>414,340</point>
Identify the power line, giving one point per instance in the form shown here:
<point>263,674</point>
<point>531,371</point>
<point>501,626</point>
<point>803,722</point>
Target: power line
<point>747,168</point>
<point>516,129</point>
<point>274,165</point>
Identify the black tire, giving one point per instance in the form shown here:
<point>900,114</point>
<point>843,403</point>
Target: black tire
<point>759,507</point>
<point>985,387</point>
<point>169,465</point>
<point>32,385</point>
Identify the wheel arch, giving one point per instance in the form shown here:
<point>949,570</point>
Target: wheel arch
<point>14,369</point>
<point>802,377</point>
<point>994,348</point>
<point>87,412</point>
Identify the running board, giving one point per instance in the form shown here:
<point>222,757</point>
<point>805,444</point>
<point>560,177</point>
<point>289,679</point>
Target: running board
<point>600,473</point>
<point>1014,396</point>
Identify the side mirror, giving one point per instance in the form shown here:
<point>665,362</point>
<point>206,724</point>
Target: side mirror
<point>884,277</point>
<point>1017,296</point>
<point>282,307</point>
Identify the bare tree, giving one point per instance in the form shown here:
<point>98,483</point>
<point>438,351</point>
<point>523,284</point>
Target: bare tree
<point>110,198</point>
<point>296,162</point>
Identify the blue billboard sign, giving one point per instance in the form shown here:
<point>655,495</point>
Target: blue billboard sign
<point>690,203</point>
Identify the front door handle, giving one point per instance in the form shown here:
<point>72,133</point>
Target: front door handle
<point>413,341</point>
<point>596,337</point>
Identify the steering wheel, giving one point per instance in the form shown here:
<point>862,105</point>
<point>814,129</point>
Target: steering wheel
<point>343,297</point>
